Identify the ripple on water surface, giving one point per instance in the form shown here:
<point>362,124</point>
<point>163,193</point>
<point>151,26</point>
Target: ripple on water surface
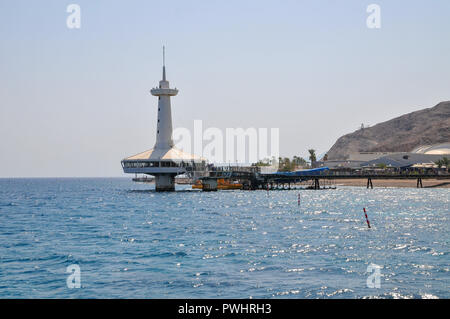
<point>132,242</point>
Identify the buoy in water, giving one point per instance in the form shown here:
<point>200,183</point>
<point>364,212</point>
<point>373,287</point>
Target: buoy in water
<point>367,219</point>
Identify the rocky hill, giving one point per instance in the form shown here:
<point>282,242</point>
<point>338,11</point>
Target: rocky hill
<point>401,134</point>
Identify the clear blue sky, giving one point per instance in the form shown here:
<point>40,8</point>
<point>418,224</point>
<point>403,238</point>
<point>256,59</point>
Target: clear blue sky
<point>75,102</point>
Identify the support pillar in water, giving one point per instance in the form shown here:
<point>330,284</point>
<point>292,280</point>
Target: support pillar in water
<point>369,183</point>
<point>165,183</point>
<point>419,183</point>
<point>209,185</point>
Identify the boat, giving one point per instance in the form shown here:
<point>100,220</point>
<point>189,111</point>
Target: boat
<point>221,184</point>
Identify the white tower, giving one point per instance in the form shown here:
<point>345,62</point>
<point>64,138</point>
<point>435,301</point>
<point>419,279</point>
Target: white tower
<point>163,161</point>
<point>164,124</point>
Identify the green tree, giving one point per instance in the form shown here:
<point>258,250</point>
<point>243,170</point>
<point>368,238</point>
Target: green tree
<point>381,165</point>
<point>312,156</point>
<point>286,164</point>
<point>299,161</point>
<point>264,162</point>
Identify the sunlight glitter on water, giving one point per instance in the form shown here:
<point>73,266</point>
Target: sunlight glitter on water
<point>132,242</point>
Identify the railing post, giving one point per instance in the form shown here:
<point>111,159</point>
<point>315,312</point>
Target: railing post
<point>369,183</point>
<point>419,183</point>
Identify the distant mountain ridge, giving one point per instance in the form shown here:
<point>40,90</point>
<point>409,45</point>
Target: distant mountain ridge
<point>401,134</point>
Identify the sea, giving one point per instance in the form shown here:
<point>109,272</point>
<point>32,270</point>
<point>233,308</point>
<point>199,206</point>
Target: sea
<point>114,238</point>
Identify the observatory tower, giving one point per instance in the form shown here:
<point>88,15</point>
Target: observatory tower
<point>163,161</point>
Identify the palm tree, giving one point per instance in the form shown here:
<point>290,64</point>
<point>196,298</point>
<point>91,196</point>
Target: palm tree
<point>287,164</point>
<point>312,156</point>
<point>301,161</point>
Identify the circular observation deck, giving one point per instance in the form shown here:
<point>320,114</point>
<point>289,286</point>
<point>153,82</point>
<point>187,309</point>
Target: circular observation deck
<point>163,91</point>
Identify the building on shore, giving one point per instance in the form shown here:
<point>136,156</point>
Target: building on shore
<point>420,157</point>
<point>437,149</point>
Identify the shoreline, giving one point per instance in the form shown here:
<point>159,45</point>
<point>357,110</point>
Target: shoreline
<point>401,183</point>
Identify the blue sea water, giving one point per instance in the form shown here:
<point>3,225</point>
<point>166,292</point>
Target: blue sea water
<point>131,242</point>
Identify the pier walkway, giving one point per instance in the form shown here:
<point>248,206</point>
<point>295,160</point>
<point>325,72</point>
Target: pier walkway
<point>284,180</point>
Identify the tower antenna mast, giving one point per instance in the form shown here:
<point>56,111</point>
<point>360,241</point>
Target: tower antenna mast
<point>164,63</point>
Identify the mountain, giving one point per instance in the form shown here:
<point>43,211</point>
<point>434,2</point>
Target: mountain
<point>401,134</point>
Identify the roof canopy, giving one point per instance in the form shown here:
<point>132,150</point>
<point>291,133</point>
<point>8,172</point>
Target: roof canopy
<point>437,149</point>
<point>170,154</point>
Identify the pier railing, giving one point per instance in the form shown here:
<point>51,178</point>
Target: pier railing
<point>365,174</point>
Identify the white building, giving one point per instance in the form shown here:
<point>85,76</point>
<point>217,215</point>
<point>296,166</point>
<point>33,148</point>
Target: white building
<point>163,161</point>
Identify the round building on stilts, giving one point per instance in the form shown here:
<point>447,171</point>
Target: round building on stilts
<point>164,161</point>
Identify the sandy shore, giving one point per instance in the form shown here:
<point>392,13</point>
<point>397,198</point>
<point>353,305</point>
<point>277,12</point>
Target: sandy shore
<point>441,183</point>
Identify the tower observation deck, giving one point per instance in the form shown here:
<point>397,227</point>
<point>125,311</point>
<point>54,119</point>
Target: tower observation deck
<point>163,161</point>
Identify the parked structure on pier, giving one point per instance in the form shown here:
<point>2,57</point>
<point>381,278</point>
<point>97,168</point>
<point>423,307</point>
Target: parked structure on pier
<point>164,161</point>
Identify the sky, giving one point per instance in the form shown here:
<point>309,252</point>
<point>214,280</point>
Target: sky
<point>75,102</point>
